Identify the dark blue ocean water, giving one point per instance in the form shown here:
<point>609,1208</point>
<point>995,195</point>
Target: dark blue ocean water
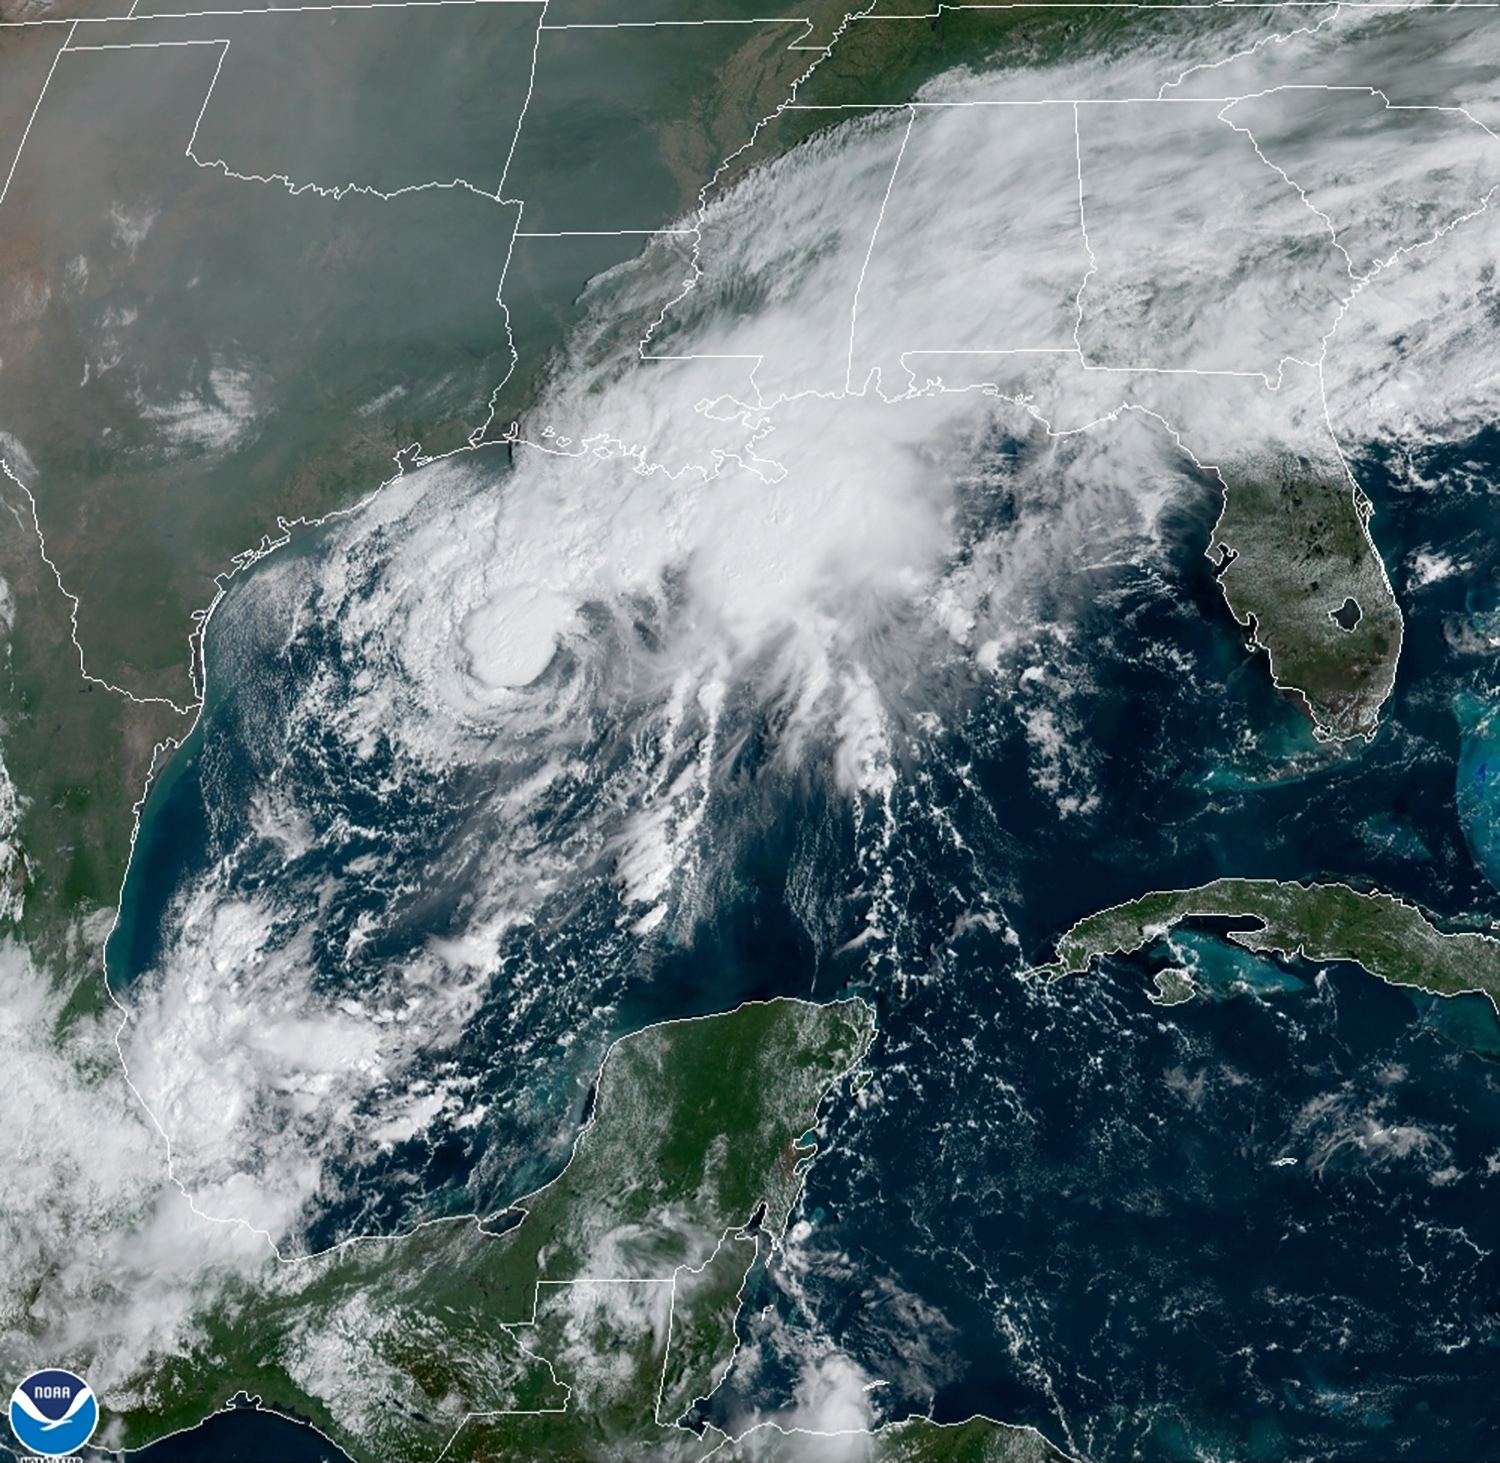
<point>240,1433</point>
<point>1059,1205</point>
<point>1064,1204</point>
<point>243,1434</point>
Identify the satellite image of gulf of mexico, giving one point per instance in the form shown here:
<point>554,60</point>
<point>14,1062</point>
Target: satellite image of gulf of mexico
<point>759,738</point>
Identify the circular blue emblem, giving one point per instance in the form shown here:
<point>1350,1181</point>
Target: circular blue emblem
<point>53,1413</point>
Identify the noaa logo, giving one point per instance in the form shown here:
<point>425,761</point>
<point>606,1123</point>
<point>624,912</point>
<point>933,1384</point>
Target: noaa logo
<point>53,1413</point>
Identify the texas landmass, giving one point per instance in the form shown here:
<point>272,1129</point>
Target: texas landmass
<point>422,1314</point>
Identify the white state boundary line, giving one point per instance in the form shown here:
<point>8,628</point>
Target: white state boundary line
<point>1215,9</point>
<point>164,17</point>
<point>1083,230</point>
<point>1207,100</point>
<point>207,97</point>
<point>253,555</point>
<point>515,142</point>
<point>606,233</point>
<point>1274,39</point>
<point>676,24</point>
<point>26,132</point>
<point>153,46</point>
<point>335,192</point>
<point>161,16</point>
<point>859,284</point>
<point>244,561</point>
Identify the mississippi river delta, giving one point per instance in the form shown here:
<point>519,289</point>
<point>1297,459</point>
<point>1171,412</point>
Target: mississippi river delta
<point>148,482</point>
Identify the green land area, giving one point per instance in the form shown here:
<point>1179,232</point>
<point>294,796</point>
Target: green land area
<point>585,1321</point>
<point>236,376</point>
<point>585,1328</point>
<point>1302,574</point>
<point>1388,937</point>
<point>192,358</point>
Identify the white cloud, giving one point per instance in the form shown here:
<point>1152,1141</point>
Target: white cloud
<point>686,545</point>
<point>16,459</point>
<point>100,1258</point>
<point>129,226</point>
<point>215,418</point>
<point>1428,566</point>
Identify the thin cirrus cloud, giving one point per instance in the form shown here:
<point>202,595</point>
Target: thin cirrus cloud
<point>767,516</point>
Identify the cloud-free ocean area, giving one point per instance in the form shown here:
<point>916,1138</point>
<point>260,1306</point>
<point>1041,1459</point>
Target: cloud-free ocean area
<point>793,659</point>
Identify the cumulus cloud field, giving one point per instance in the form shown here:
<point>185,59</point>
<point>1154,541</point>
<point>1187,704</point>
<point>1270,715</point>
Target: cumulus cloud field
<point>1130,266</point>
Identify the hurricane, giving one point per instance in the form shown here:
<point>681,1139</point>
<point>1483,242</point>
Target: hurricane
<point>839,619</point>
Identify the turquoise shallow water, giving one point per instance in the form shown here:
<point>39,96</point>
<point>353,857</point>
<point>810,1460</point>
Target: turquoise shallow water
<point>1259,1224</point>
<point>1226,970</point>
<point>1477,782</point>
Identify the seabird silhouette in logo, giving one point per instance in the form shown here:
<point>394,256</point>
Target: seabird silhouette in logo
<point>53,1413</point>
